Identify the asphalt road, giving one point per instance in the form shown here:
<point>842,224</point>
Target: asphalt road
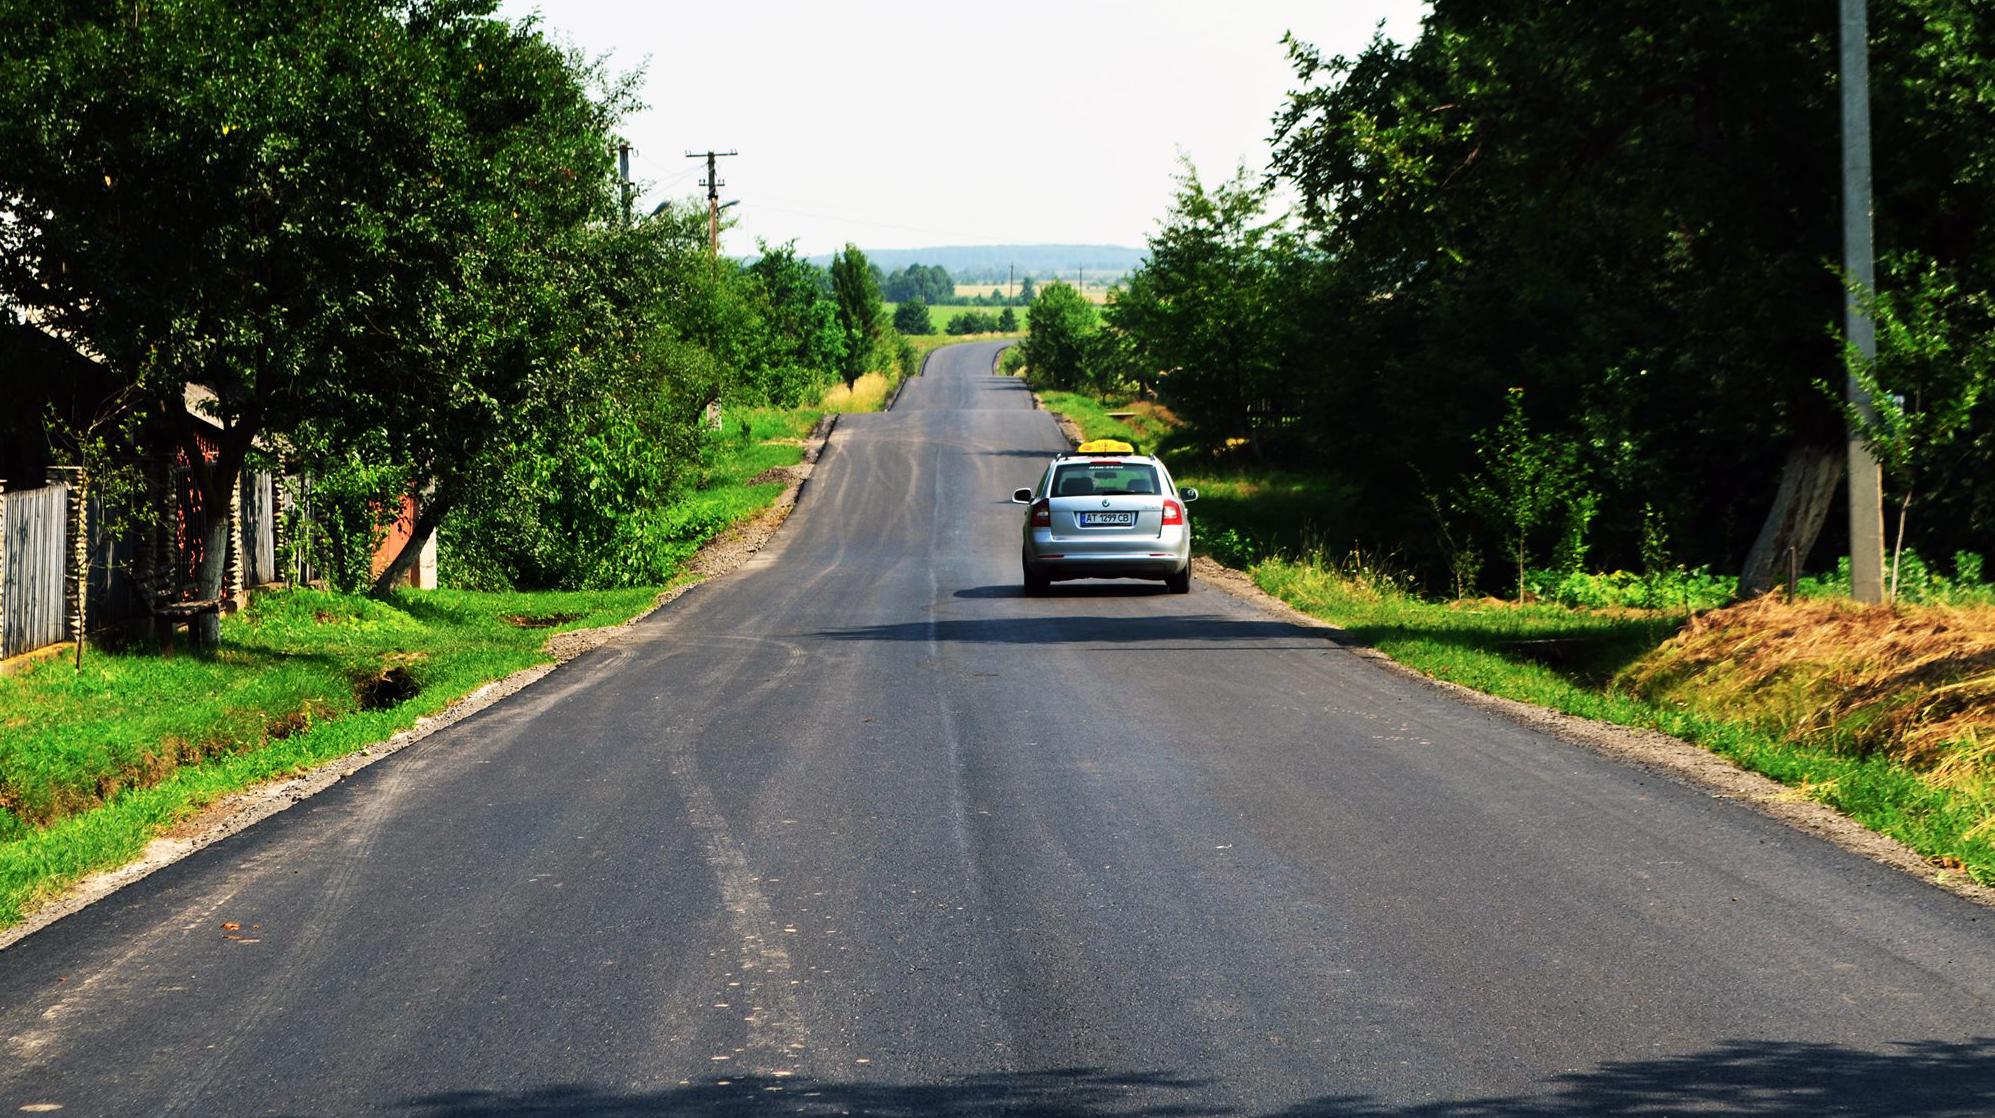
<point>860,829</point>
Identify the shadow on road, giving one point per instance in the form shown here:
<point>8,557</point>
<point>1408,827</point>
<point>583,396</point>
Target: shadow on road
<point>1068,590</point>
<point>1035,455</point>
<point>1767,1080</point>
<point>1194,629</point>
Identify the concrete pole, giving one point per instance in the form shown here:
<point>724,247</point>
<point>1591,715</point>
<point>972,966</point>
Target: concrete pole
<point>1866,485</point>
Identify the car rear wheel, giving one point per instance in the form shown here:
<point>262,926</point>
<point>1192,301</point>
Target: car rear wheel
<point>1179,583</point>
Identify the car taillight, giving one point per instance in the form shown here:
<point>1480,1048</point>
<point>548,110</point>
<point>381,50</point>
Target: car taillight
<point>1042,513</point>
<point>1174,513</point>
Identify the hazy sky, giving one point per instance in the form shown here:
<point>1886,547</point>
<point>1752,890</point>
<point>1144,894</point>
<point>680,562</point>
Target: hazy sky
<point>903,125</point>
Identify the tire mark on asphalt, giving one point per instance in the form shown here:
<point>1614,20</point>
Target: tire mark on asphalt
<point>776,1034</point>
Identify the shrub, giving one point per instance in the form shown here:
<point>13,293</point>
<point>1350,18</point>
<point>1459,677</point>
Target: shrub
<point>1676,589</point>
<point>912,317</point>
<point>1919,582</point>
<point>972,322</point>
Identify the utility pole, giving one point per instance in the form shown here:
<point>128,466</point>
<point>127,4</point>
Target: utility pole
<point>713,184</point>
<point>1010,282</point>
<point>1866,486</point>
<point>623,176</point>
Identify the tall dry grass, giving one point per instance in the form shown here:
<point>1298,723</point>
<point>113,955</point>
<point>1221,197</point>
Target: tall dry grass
<point>1913,683</point>
<point>868,393</point>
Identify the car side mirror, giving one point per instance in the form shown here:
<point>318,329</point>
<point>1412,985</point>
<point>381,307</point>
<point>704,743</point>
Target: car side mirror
<point>1189,494</point>
<point>1021,496</point>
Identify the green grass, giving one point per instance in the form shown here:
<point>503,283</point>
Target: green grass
<point>939,317</point>
<point>1091,416</point>
<point>1567,659</point>
<point>1241,514</point>
<point>95,763</point>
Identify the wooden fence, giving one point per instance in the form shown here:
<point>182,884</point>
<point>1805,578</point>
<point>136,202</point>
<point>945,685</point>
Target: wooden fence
<point>31,584</point>
<point>37,563</point>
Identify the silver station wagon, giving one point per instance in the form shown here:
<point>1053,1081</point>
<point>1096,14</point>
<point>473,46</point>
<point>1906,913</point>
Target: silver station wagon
<point>1106,512</point>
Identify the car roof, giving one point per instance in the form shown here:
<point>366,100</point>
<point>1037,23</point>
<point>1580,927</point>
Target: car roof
<point>1073,455</point>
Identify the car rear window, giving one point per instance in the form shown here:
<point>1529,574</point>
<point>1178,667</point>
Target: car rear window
<point>1086,479</point>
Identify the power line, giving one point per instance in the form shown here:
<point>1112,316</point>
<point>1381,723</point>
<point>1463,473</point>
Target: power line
<point>761,202</point>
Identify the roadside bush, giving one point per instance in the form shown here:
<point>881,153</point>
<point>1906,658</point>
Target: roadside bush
<point>1230,547</point>
<point>786,386</point>
<point>1677,589</point>
<point>912,317</point>
<point>973,322</point>
<point>1056,342</point>
<point>582,505</point>
<point>340,515</point>
<point>1920,582</point>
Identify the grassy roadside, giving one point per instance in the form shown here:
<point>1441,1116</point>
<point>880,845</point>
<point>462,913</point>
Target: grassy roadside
<point>1808,718</point>
<point>1587,663</point>
<point>94,764</point>
<point>925,344</point>
<point>1240,513</point>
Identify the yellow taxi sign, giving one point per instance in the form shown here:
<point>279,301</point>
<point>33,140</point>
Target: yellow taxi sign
<point>1105,446</point>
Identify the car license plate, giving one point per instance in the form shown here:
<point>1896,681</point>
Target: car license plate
<point>1108,519</point>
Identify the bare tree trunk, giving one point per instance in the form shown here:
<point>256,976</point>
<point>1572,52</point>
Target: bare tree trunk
<point>217,482</point>
<point>429,514</point>
<point>205,630</point>
<point>1800,506</point>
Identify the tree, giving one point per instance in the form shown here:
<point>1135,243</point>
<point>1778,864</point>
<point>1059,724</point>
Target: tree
<point>801,318</point>
<point>928,283</point>
<point>539,278</point>
<point>234,205</point>
<point>1055,345</point>
<point>857,295</point>
<point>1935,365</point>
<point>1007,321</point>
<point>939,286</point>
<point>1526,480</point>
<point>1212,305</point>
<point>911,317</point>
<point>971,322</point>
<point>1027,292</point>
<point>1676,317</point>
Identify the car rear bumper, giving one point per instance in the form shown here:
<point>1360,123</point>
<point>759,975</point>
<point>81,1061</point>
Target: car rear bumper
<point>1115,564</point>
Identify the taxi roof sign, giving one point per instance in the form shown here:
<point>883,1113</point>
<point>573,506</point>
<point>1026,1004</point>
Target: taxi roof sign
<point>1105,446</point>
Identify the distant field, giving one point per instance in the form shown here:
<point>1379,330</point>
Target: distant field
<point>1095,292</point>
<point>939,316</point>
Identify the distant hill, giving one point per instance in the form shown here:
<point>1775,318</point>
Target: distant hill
<point>988,263</point>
